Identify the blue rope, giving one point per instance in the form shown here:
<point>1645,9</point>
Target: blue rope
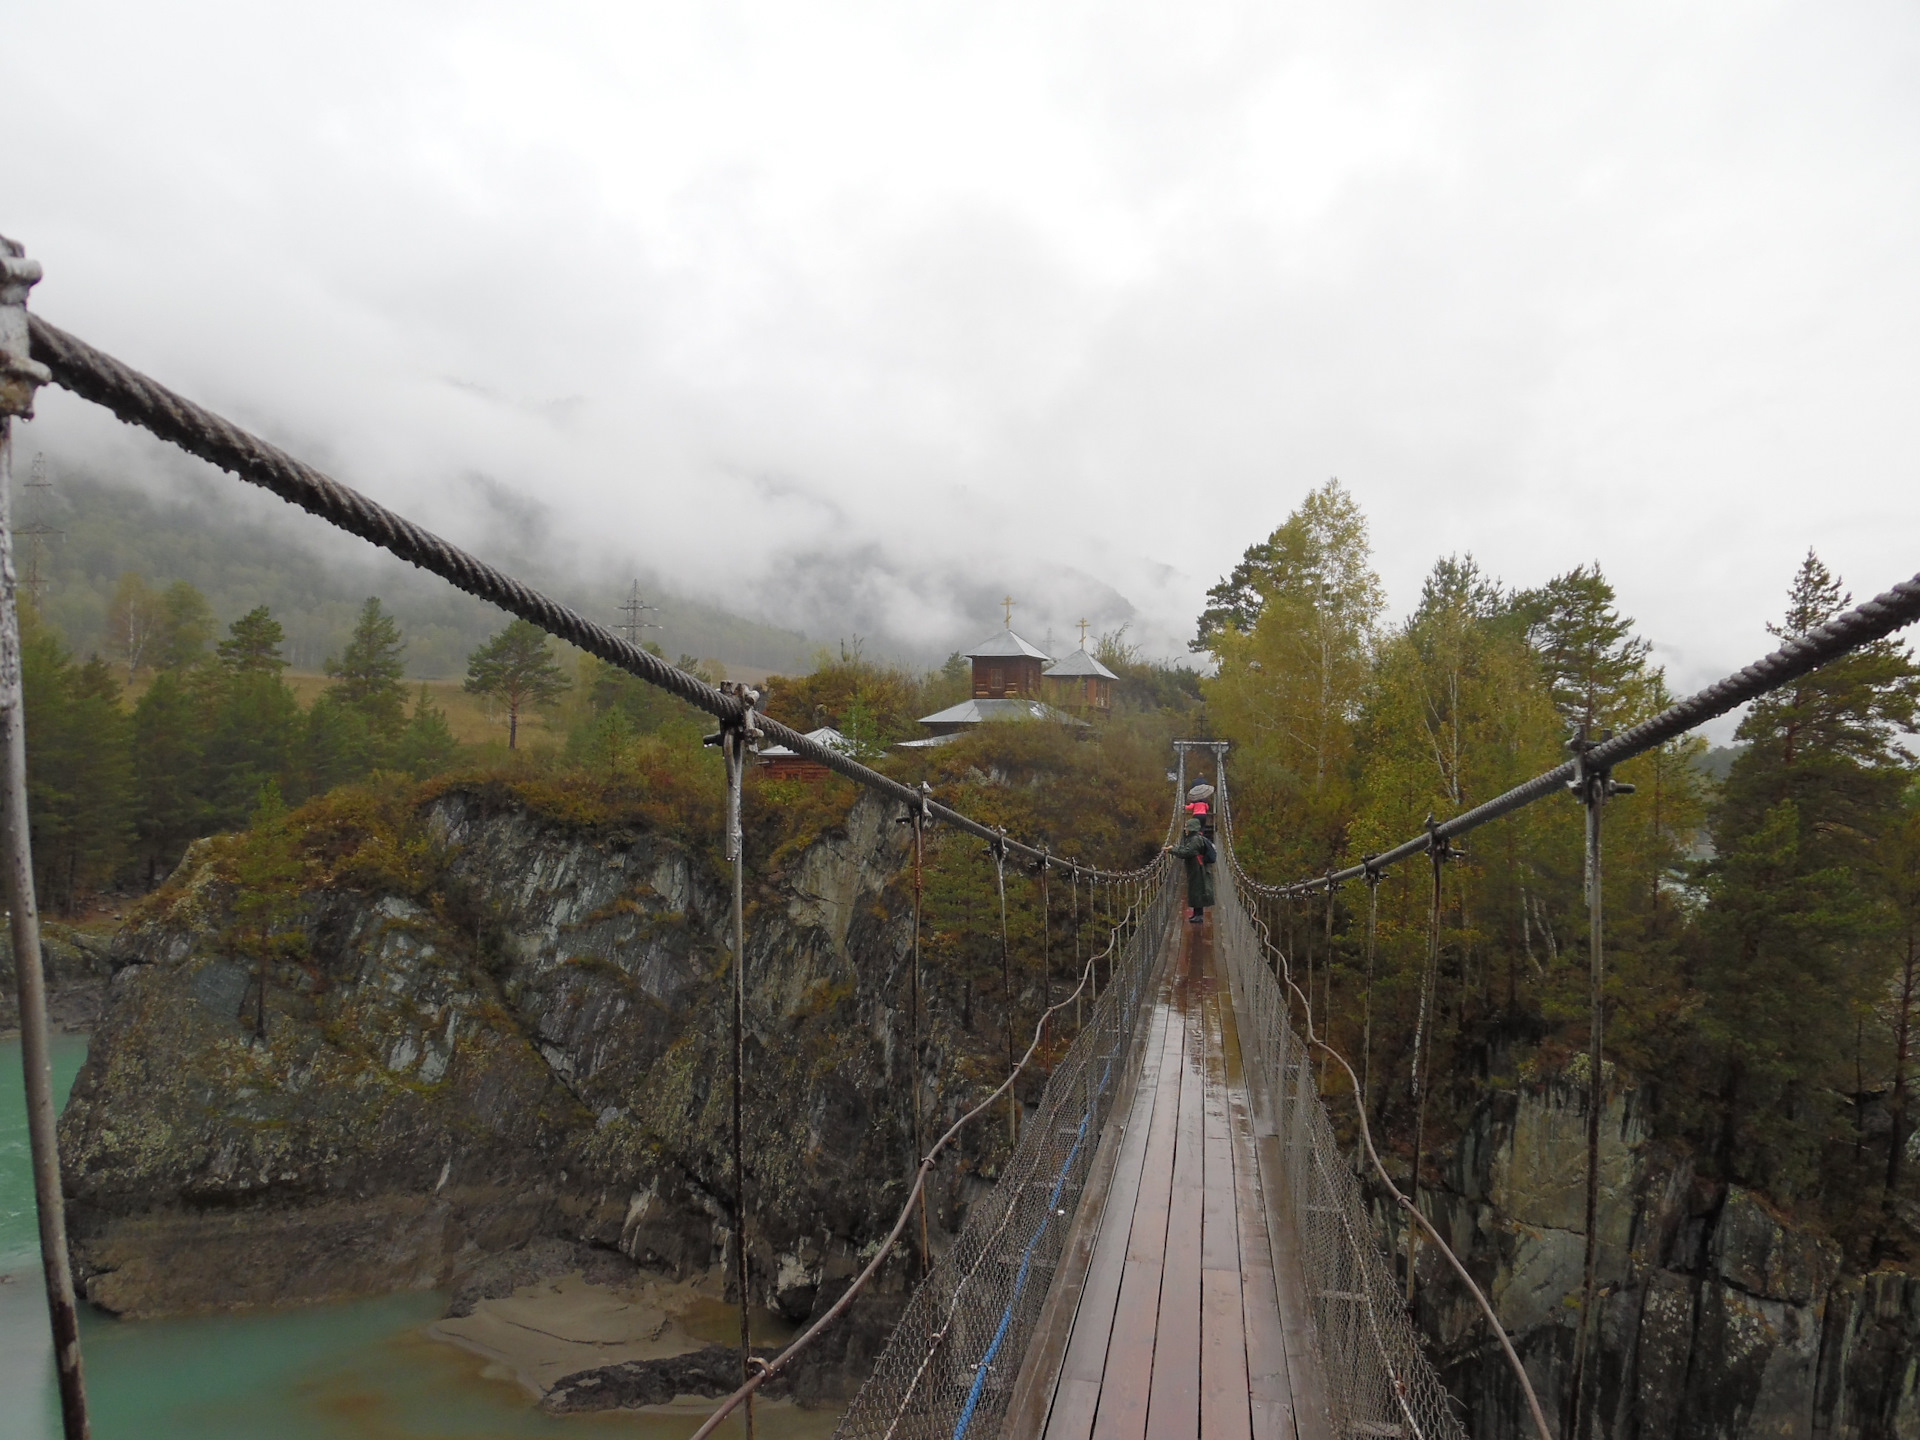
<point>1026,1265</point>
<point>1019,1284</point>
<point>1026,1258</point>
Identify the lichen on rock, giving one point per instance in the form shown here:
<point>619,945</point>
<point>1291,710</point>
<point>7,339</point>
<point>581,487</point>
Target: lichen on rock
<point>486,1025</point>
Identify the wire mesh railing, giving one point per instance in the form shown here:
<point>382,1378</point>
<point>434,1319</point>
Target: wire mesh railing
<point>950,1366</point>
<point>1378,1378</point>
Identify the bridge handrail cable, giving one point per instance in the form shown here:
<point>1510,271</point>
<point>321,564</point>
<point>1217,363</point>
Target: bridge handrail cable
<point>1341,1259</point>
<point>139,400</point>
<point>1891,610</point>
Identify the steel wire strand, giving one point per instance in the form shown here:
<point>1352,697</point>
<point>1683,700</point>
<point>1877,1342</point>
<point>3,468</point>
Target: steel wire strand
<point>986,1249</point>
<point>766,1370</point>
<point>139,400</point>
<point>1366,1276</point>
<point>1359,1250</point>
<point>1354,1269</point>
<point>1892,609</point>
<point>954,1301</point>
<point>1407,1206</point>
<point>1362,1262</point>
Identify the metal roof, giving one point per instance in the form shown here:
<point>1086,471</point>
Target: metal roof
<point>826,735</point>
<point>1004,644</point>
<point>976,712</point>
<point>1077,663</point>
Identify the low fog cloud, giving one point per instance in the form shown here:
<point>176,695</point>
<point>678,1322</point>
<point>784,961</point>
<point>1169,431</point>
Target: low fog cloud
<point>859,317</point>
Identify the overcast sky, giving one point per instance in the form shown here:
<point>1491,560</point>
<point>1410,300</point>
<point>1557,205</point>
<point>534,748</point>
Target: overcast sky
<point>870,312</point>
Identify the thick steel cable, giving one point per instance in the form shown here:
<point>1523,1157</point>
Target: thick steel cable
<point>134,398</point>
<point>735,739</point>
<point>999,852</point>
<point>765,1371</point>
<point>918,820</point>
<point>1893,609</point>
<point>1283,970</point>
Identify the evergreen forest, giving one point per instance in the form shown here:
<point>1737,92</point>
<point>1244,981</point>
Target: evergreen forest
<point>1762,902</point>
<point>1762,908</point>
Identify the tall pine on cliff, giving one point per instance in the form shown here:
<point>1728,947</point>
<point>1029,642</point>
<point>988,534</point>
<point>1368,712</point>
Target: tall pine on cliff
<point>79,767</point>
<point>517,668</point>
<point>1790,961</point>
<point>367,673</point>
<point>1292,629</point>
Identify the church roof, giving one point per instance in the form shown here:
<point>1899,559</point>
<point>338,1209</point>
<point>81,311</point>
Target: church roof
<point>977,712</point>
<point>1004,644</point>
<point>1075,664</point>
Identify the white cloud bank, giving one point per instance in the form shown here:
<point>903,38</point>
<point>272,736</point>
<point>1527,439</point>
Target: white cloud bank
<point>864,313</point>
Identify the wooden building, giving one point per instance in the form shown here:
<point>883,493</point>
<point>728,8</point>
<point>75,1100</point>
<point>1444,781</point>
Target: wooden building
<point>780,763</point>
<point>1005,667</point>
<point>1008,684</point>
<point>1080,682</point>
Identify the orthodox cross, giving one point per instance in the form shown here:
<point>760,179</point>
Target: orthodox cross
<point>1083,633</point>
<point>1008,602</point>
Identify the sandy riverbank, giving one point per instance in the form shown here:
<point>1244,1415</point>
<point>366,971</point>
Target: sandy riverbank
<point>550,1329</point>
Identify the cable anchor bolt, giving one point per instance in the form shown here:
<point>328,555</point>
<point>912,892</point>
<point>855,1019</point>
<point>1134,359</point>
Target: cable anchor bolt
<point>20,374</point>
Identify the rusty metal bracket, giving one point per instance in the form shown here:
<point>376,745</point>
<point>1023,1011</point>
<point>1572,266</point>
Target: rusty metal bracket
<point>20,373</point>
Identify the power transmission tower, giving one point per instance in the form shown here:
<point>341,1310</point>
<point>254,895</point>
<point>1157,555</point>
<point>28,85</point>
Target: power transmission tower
<point>633,607</point>
<point>37,530</point>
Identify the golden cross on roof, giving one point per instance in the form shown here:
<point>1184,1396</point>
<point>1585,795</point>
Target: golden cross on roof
<point>1083,633</point>
<point>1008,602</point>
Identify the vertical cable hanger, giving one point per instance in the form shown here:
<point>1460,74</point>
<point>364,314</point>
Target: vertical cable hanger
<point>1592,785</point>
<point>917,817</point>
<point>1366,1016</point>
<point>1046,932</point>
<point>998,849</point>
<point>1073,873</point>
<point>1439,851</point>
<point>736,741</point>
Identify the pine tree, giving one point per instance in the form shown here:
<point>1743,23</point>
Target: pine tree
<point>367,675</point>
<point>253,643</point>
<point>427,745</point>
<point>1791,959</point>
<point>338,749</point>
<point>79,768</point>
<point>186,624</point>
<point>517,668</point>
<point>1899,876</point>
<point>254,741</point>
<point>168,763</point>
<point>1587,648</point>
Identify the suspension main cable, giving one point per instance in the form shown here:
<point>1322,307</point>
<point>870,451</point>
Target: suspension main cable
<point>1892,609</point>
<point>766,1370</point>
<point>735,739</point>
<point>134,398</point>
<point>1415,1217</point>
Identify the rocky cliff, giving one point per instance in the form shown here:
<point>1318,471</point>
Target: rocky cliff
<point>76,964</point>
<point>1720,1318</point>
<point>529,1040</point>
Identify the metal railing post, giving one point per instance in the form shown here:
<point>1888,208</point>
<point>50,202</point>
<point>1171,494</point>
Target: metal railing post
<point>1592,785</point>
<point>19,377</point>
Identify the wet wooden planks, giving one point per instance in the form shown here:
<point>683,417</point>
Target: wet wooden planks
<point>1180,1330</point>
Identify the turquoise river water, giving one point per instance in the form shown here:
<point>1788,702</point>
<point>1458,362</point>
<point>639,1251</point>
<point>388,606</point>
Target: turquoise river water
<point>364,1369</point>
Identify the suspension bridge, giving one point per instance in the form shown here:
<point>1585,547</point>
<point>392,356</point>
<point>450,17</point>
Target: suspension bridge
<point>1179,1244</point>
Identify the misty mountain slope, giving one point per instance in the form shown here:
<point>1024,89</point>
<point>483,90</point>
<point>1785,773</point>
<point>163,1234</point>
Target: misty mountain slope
<point>243,549</point>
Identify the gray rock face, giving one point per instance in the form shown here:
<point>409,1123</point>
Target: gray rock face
<point>75,965</point>
<point>536,1046</point>
<point>1718,1319</point>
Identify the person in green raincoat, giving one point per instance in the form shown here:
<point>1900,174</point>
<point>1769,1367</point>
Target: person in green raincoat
<point>1198,853</point>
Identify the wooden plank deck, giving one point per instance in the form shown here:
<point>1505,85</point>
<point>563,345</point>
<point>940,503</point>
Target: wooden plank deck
<point>1187,1324</point>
